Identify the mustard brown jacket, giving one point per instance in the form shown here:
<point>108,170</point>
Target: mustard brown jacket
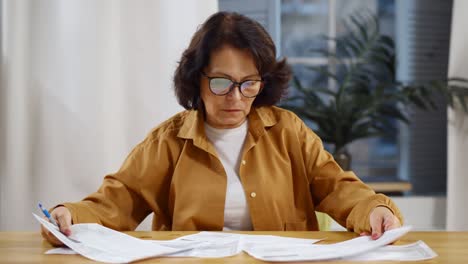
<point>286,173</point>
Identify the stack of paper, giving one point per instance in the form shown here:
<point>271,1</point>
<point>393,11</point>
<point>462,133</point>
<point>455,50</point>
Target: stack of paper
<point>99,243</point>
<point>217,244</point>
<point>360,248</point>
<point>103,244</point>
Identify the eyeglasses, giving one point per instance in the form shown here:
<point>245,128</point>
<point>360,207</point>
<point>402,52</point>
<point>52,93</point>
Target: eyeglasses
<point>222,86</point>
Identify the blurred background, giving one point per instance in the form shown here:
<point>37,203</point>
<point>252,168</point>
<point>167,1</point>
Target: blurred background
<point>84,81</point>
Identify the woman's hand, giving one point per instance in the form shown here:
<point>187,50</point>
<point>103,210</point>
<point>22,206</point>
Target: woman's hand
<point>64,220</point>
<point>381,220</point>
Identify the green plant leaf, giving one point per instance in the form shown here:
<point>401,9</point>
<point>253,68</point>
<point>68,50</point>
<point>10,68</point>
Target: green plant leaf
<point>368,100</point>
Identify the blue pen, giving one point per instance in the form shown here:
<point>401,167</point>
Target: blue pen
<point>46,213</point>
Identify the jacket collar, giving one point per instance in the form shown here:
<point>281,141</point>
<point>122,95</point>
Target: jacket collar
<point>260,119</point>
<point>193,126</point>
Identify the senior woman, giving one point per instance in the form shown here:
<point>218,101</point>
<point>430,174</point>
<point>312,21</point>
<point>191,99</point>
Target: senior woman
<point>231,160</point>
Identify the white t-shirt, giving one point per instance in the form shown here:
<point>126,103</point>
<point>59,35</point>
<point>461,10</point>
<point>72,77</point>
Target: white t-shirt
<point>228,144</point>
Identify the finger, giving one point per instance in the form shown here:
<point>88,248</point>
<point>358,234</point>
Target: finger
<point>49,237</point>
<point>376,231</point>
<point>365,234</point>
<point>376,223</point>
<point>64,222</point>
<point>391,222</point>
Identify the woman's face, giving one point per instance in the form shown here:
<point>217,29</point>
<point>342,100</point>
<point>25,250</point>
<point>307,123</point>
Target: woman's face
<point>230,110</point>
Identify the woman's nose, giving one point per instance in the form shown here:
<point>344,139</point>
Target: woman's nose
<point>235,93</point>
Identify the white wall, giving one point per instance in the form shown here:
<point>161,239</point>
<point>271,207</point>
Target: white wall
<point>81,83</point>
<point>457,183</point>
<point>423,212</point>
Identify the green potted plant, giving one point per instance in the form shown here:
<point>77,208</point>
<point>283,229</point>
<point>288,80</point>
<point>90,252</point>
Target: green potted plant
<point>367,99</point>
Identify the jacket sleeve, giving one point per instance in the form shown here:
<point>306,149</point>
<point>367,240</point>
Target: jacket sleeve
<point>119,203</point>
<point>340,194</point>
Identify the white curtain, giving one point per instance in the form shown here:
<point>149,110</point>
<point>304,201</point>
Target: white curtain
<point>82,82</point>
<point>457,194</point>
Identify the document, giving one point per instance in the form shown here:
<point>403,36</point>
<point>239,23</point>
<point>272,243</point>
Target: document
<point>363,247</point>
<point>99,243</point>
<point>103,244</point>
<point>204,245</point>
<point>220,244</point>
<point>412,252</point>
<point>207,244</point>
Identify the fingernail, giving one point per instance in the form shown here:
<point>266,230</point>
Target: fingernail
<point>375,236</point>
<point>67,232</point>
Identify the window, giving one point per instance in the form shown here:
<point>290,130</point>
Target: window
<point>303,27</point>
<point>421,30</point>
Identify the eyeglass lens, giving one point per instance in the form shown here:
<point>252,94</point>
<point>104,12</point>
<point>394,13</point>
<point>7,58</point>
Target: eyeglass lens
<point>248,88</point>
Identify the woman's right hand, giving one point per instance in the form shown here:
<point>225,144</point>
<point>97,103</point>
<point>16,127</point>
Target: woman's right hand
<point>63,218</point>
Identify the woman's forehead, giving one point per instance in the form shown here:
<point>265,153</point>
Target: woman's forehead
<point>232,62</point>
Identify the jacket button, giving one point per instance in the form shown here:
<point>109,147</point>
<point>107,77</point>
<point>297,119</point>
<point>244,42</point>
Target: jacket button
<point>243,162</point>
<point>253,194</point>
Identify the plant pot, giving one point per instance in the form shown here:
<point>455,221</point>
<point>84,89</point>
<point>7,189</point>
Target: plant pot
<point>343,158</point>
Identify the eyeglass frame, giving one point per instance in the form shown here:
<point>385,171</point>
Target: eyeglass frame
<point>234,84</point>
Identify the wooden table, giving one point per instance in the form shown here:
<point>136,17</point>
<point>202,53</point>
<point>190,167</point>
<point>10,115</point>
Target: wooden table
<point>28,247</point>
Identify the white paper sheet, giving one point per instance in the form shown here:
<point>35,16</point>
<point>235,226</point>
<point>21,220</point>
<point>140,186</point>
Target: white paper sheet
<point>99,243</point>
<point>217,244</point>
<point>61,251</point>
<point>213,244</point>
<point>343,250</point>
<point>263,247</point>
<point>411,252</point>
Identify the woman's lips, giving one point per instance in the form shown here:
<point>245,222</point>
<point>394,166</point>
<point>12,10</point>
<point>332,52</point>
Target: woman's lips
<point>231,110</point>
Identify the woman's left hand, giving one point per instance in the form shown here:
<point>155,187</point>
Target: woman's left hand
<point>381,220</point>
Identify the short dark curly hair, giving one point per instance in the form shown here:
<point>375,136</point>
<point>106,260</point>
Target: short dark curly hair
<point>240,32</point>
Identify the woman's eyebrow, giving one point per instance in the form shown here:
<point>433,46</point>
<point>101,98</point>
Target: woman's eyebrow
<point>232,78</point>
